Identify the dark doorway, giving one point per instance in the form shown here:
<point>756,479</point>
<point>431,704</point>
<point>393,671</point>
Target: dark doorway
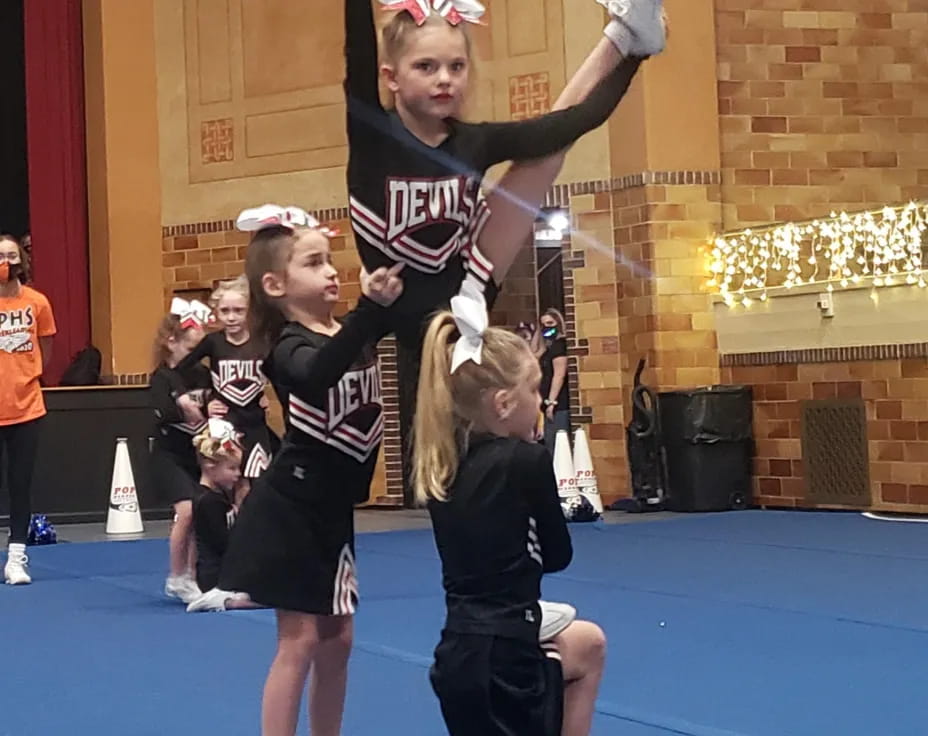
<point>549,250</point>
<point>550,277</point>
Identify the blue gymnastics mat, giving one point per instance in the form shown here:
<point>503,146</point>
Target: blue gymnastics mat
<point>760,623</point>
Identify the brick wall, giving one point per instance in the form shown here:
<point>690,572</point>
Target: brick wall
<point>198,260</point>
<point>591,286</point>
<point>665,314</point>
<point>822,105</point>
<point>895,392</point>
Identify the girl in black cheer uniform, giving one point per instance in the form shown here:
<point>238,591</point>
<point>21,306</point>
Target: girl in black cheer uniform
<point>219,453</point>
<point>292,546</point>
<point>235,359</point>
<point>415,168</point>
<point>179,402</point>
<point>490,487</point>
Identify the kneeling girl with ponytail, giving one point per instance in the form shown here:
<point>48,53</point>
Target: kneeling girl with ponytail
<point>492,497</point>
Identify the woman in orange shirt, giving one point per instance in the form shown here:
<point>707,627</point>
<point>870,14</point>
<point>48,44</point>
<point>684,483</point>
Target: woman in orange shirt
<point>26,328</point>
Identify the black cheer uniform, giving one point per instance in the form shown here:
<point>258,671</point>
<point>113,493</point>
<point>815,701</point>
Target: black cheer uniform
<point>175,470</point>
<point>213,517</point>
<point>501,528</point>
<point>238,382</point>
<point>422,205</point>
<point>292,546</point>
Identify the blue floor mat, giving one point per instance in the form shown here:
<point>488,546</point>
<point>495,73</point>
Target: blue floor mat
<point>760,623</point>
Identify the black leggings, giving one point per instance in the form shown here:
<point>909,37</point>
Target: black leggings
<point>18,443</point>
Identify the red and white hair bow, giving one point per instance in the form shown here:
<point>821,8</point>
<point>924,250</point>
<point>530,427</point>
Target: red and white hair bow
<point>272,215</point>
<point>220,429</point>
<point>190,314</point>
<point>453,11</point>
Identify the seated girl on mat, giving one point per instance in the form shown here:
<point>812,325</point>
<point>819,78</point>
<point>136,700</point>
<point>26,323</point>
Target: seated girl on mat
<point>219,453</point>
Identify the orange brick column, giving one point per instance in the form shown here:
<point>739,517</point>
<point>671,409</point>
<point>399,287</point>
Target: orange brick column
<point>664,312</point>
<point>592,292</point>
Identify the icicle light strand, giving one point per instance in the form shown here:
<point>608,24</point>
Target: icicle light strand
<point>884,246</point>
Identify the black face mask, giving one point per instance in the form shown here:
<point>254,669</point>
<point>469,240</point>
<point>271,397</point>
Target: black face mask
<point>549,333</point>
<point>11,272</point>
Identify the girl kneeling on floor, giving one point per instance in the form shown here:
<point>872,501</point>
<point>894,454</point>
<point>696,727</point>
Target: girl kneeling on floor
<point>490,487</point>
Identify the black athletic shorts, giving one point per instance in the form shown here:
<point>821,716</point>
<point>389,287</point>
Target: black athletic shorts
<point>497,686</point>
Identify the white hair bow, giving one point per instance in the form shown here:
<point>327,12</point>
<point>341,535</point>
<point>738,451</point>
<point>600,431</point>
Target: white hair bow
<point>273,215</point>
<point>220,429</point>
<point>453,11</point>
<point>191,314</point>
<point>470,315</point>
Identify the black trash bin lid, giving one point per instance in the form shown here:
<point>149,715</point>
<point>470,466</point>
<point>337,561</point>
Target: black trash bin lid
<point>703,390</point>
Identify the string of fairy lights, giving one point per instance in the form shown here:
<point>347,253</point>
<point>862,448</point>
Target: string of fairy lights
<point>883,247</point>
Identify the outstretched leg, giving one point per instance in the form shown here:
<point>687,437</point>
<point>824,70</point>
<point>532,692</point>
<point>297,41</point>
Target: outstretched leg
<point>515,200</point>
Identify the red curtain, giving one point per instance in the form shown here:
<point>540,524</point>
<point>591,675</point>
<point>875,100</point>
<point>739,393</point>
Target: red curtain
<point>58,171</point>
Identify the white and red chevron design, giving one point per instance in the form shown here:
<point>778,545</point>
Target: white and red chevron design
<point>372,229</point>
<point>187,428</point>
<point>241,395</point>
<point>258,461</point>
<point>353,441</point>
<point>345,596</point>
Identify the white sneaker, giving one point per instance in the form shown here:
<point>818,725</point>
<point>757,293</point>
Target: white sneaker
<point>555,617</point>
<point>181,587</point>
<point>16,571</point>
<point>638,27</point>
<point>214,600</point>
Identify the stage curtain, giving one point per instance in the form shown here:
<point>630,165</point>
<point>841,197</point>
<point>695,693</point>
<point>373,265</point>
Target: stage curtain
<point>57,170</point>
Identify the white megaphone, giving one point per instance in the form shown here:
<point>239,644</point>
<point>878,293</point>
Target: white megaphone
<point>123,516</point>
<point>583,466</point>
<point>564,467</point>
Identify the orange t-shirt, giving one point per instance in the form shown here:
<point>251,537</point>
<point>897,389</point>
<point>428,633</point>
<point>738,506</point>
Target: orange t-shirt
<point>23,320</point>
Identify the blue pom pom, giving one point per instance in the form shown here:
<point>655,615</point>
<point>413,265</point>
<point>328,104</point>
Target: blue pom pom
<point>41,531</point>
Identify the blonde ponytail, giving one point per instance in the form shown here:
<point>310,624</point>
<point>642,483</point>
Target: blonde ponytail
<point>449,404</point>
<point>435,427</point>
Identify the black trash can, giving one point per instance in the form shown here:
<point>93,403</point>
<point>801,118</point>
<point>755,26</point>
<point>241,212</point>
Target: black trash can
<point>707,436</point>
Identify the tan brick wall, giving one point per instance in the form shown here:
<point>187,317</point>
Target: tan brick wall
<point>821,105</point>
<point>198,261</point>
<point>894,392</point>
<point>593,329</point>
<point>664,311</point>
